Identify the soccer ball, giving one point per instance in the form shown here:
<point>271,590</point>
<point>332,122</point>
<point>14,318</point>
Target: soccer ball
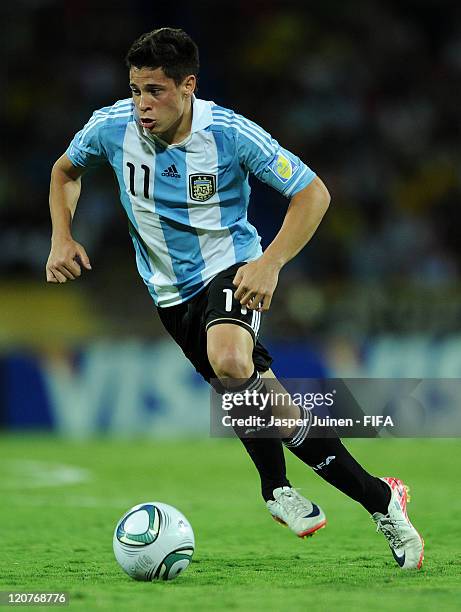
<point>153,541</point>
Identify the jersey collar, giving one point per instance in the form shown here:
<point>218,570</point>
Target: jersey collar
<point>202,116</point>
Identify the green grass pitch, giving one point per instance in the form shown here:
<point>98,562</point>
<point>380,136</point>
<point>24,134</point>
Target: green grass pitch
<point>61,500</point>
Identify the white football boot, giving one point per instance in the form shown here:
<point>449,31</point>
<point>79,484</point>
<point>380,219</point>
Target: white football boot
<point>406,545</point>
<point>299,514</point>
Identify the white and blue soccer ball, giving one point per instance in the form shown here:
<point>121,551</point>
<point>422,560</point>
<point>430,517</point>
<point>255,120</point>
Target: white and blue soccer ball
<point>153,541</point>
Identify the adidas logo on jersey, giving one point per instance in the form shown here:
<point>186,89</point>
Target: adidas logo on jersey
<point>171,171</point>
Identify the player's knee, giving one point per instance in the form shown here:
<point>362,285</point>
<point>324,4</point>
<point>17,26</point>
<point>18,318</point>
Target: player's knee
<point>231,363</point>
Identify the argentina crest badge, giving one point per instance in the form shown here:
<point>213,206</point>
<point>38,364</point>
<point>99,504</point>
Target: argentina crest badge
<point>202,186</point>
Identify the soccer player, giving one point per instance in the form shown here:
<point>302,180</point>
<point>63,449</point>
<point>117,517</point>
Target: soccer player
<point>182,167</point>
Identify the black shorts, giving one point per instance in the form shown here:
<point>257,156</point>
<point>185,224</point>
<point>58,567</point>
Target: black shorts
<point>188,323</point>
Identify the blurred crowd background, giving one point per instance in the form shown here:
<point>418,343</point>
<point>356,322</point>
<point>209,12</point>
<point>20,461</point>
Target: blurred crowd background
<point>368,93</point>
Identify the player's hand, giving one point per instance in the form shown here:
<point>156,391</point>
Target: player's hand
<point>256,282</point>
<point>65,261</point>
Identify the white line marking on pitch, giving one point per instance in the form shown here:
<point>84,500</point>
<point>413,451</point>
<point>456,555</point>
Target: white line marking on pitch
<point>34,474</point>
<point>73,501</point>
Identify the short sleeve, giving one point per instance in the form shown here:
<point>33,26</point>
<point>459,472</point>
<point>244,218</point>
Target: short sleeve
<point>86,149</point>
<point>261,155</point>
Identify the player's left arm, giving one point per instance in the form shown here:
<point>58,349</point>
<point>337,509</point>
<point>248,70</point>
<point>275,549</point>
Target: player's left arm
<point>257,280</point>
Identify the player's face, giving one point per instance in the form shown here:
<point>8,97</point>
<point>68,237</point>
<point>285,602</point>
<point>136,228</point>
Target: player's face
<point>159,102</point>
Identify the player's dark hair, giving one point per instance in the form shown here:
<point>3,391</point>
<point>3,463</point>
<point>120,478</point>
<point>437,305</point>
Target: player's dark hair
<point>170,49</point>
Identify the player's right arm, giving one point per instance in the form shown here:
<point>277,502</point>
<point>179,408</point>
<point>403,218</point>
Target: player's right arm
<point>66,255</point>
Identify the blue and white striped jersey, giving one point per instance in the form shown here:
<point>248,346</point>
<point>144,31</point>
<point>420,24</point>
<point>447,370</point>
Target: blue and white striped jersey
<point>187,203</point>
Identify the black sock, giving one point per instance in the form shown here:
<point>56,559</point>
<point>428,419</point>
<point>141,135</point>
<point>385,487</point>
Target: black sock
<point>333,462</point>
<point>266,453</point>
